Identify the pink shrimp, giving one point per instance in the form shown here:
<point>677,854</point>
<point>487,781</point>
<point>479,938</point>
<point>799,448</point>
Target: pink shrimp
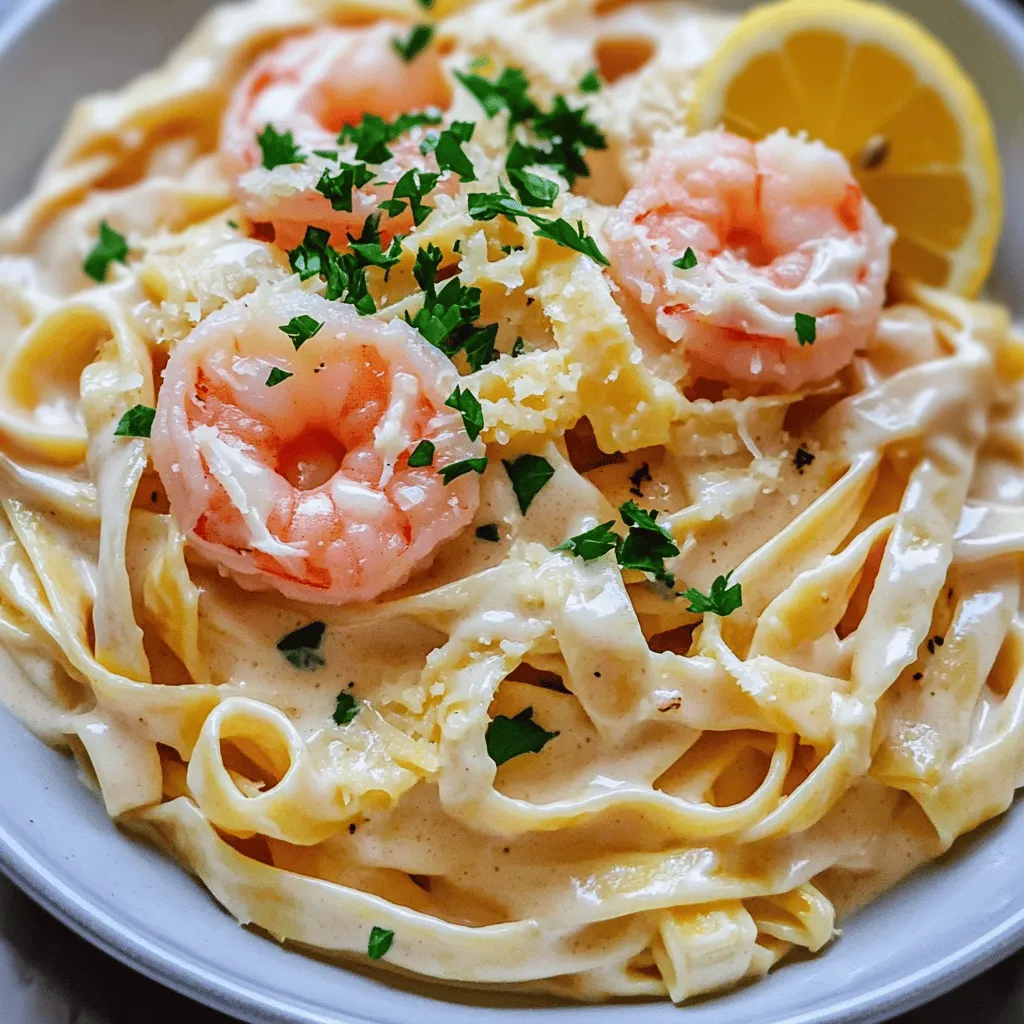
<point>312,86</point>
<point>305,485</point>
<point>778,228</point>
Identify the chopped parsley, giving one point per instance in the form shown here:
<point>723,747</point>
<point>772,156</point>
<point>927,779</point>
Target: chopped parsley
<point>380,942</point>
<point>472,415</point>
<point>300,329</point>
<point>489,531</point>
<point>593,543</point>
<point>136,422</point>
<point>590,82</point>
<point>488,205</point>
<point>276,376</point>
<point>529,474</point>
<point>457,469</point>
<point>426,4</point>
<point>506,92</point>
<point>569,133</point>
<point>419,39</point>
<point>533,189</point>
<point>368,248</point>
<point>509,737</point>
<point>638,478</point>
<point>372,134</point>
<point>345,273</point>
<point>687,261</point>
<point>479,347</point>
<point>422,454</point>
<point>721,599</point>
<point>279,148</point>
<point>518,347</point>
<point>447,149</point>
<point>447,317</point>
<point>233,224</point>
<point>301,647</point>
<point>111,247</point>
<point>802,459</point>
<point>414,185</point>
<point>339,186</point>
<point>806,328</point>
<point>347,708</point>
<point>647,544</point>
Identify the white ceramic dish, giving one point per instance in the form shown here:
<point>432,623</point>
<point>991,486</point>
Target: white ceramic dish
<point>943,925</point>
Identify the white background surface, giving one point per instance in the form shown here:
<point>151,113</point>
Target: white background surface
<point>49,976</point>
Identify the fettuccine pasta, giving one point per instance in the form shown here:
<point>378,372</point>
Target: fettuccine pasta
<point>523,543</point>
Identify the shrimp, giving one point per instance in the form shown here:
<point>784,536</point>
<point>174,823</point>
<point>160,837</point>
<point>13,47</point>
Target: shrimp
<point>305,486</point>
<point>778,227</point>
<point>312,86</point>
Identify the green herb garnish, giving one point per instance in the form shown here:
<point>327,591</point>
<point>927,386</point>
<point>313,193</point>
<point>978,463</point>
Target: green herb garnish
<point>509,737</point>
<point>592,544</point>
<point>479,347</point>
<point>447,149</point>
<point>414,185</point>
<point>687,261</point>
<point>419,39</point>
<point>806,328</point>
<point>347,708</point>
<point>422,454</point>
<point>276,376</point>
<point>518,347</point>
<point>647,544</point>
<point>300,329</point>
<point>380,942</point>
<point>472,415</point>
<point>301,647</point>
<point>111,247</point>
<point>339,186</point>
<point>721,599</point>
<point>279,148</point>
<point>506,92</point>
<point>590,82</point>
<point>136,422</point>
<point>533,189</point>
<point>562,232</point>
<point>529,474</point>
<point>372,134</point>
<point>457,469</point>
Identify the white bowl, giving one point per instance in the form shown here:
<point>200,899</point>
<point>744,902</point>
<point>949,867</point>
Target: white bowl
<point>944,924</point>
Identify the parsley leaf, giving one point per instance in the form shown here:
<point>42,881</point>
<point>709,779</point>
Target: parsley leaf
<point>300,329</point>
<point>638,478</point>
<point>422,454</point>
<point>111,247</point>
<point>509,737</point>
<point>309,259</point>
<point>506,92</point>
<point>136,422</point>
<point>301,646</point>
<point>590,82</point>
<point>447,149</point>
<point>721,599</point>
<point>518,347</point>
<point>380,942</point>
<point>570,133</point>
<point>593,543</point>
<point>368,248</point>
<point>806,328</point>
<point>345,273</point>
<point>446,318</point>
<point>532,188</point>
<point>479,347</point>
<point>529,474</point>
<point>457,469</point>
<point>338,188</point>
<point>488,205</point>
<point>419,39</point>
<point>347,709</point>
<point>647,544</point>
<point>562,232</point>
<point>279,148</point>
<point>489,531</point>
<point>426,4</point>
<point>276,376</point>
<point>372,134</point>
<point>413,185</point>
<point>687,261</point>
<point>472,415</point>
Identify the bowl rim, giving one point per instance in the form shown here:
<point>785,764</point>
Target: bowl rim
<point>189,977</point>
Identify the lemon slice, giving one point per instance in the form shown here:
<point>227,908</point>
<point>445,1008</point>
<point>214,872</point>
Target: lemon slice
<point>876,86</point>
